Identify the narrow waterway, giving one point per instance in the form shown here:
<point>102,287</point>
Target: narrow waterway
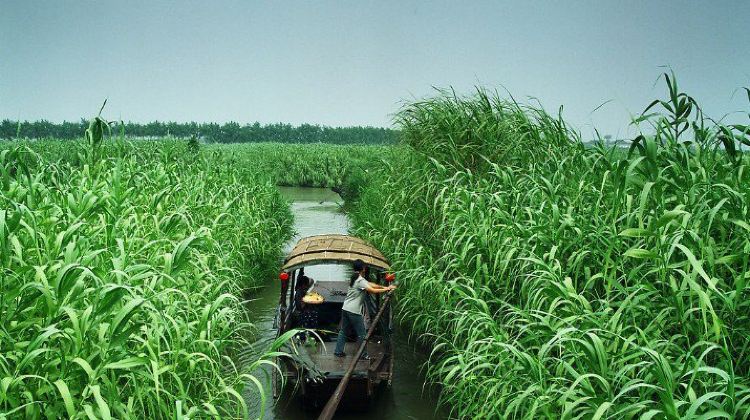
<point>318,211</point>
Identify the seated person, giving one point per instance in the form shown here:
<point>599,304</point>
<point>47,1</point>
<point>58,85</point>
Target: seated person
<point>307,314</point>
<point>301,288</point>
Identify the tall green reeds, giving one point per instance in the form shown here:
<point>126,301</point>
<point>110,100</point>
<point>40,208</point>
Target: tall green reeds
<point>313,165</point>
<point>121,278</point>
<point>556,280</point>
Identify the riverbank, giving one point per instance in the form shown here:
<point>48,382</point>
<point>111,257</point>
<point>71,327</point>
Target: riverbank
<point>121,271</point>
<point>566,281</point>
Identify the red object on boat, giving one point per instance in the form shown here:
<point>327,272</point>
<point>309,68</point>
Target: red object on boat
<point>284,276</point>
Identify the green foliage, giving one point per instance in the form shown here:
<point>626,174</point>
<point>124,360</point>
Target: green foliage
<point>318,165</point>
<point>193,144</point>
<point>98,127</point>
<point>121,278</point>
<point>556,280</point>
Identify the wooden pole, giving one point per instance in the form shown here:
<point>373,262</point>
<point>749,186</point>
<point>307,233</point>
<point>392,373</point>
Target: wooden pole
<point>330,409</point>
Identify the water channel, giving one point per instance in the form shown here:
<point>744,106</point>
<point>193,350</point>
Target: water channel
<point>318,211</point>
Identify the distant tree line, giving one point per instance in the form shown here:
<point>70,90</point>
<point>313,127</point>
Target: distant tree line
<point>230,132</point>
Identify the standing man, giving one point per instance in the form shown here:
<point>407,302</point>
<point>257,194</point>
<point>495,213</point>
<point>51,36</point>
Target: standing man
<point>352,313</point>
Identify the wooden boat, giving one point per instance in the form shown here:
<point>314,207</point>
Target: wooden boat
<point>314,369</point>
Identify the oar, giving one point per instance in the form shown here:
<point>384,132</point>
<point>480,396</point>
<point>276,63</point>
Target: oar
<point>330,409</point>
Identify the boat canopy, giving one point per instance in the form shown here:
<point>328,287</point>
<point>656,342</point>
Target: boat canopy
<point>324,249</point>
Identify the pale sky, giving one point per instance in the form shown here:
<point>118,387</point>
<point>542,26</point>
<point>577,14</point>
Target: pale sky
<point>354,63</point>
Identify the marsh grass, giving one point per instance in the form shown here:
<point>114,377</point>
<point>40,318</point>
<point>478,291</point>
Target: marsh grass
<point>311,165</point>
<point>556,280</point>
<point>121,277</point>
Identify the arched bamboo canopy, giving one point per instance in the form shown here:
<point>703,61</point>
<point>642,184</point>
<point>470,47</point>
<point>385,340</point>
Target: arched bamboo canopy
<point>325,249</point>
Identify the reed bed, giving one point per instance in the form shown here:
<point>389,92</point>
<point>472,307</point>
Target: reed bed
<point>309,165</point>
<point>558,280</point>
<point>121,271</point>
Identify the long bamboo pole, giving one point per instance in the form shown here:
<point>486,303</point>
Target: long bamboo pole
<point>330,409</point>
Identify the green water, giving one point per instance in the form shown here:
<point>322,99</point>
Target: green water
<point>317,211</point>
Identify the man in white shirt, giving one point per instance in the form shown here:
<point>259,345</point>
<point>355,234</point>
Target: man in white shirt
<point>353,311</point>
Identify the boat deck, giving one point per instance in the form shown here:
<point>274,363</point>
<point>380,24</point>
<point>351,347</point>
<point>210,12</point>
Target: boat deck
<point>322,356</point>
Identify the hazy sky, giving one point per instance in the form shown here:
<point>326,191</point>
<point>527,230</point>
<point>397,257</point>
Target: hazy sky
<point>353,63</point>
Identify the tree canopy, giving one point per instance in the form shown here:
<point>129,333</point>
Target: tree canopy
<point>230,132</point>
